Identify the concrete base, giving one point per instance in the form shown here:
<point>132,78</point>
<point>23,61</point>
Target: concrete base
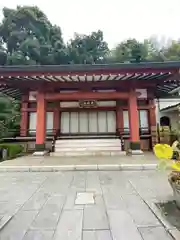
<point>40,153</point>
<point>87,153</point>
<point>86,167</point>
<point>135,152</point>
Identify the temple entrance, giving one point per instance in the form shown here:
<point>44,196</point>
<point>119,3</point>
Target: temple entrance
<point>88,123</point>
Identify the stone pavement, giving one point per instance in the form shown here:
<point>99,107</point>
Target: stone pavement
<point>80,160</point>
<point>53,164</point>
<point>44,205</point>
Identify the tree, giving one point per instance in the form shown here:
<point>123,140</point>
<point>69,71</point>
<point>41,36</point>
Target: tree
<point>155,50</point>
<point>88,48</point>
<point>30,38</point>
<point>9,116</point>
<point>172,52</point>
<point>3,53</point>
<point>130,51</point>
<point>133,51</point>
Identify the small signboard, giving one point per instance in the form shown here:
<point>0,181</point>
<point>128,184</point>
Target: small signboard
<point>141,93</point>
<point>88,104</point>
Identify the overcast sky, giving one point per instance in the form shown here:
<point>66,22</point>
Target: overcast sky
<point>118,19</point>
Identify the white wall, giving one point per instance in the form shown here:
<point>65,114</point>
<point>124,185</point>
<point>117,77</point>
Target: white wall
<point>173,115</point>
<point>164,103</point>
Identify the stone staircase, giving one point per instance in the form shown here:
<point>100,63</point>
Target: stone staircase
<point>88,147</point>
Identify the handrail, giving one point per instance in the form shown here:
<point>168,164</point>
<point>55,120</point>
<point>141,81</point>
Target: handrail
<point>57,133</point>
<point>118,133</point>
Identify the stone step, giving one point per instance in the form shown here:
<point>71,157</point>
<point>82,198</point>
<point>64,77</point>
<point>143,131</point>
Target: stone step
<point>88,153</point>
<point>79,141</point>
<point>88,137</point>
<point>84,144</point>
<point>90,148</point>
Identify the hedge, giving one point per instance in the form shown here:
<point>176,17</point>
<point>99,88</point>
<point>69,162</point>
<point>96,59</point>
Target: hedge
<point>12,149</point>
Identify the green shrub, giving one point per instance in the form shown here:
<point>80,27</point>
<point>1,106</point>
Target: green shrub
<point>12,149</point>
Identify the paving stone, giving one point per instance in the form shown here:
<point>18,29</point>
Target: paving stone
<point>38,235</point>
<point>154,233</point>
<point>9,208</point>
<point>17,227</point>
<point>97,235</point>
<point>70,202</point>
<point>140,212</point>
<point>114,201</point>
<point>79,181</point>
<point>122,226</point>
<point>70,225</point>
<point>48,216</point>
<point>99,201</point>
<point>36,201</point>
<point>92,182</point>
<point>77,185</point>
<point>116,183</point>
<point>95,217</point>
<point>84,198</point>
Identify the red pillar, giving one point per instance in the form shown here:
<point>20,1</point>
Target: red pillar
<point>41,122</point>
<point>24,117</point>
<point>134,122</point>
<point>56,118</point>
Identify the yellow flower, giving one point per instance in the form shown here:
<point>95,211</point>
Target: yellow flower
<point>176,166</point>
<point>163,151</point>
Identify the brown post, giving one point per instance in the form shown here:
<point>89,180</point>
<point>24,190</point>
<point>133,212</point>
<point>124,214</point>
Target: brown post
<point>154,128</point>
<point>152,113</point>
<point>119,119</point>
<point>56,117</point>
<point>24,117</point>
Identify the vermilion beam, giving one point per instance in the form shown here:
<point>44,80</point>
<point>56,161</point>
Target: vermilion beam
<point>86,96</point>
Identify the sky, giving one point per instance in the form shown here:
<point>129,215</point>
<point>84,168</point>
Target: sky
<point>118,19</point>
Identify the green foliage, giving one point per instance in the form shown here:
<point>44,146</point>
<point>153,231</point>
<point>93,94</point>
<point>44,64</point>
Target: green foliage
<point>12,149</point>
<point>130,50</point>
<point>173,51</point>
<point>88,48</point>
<point>27,37</point>
<point>9,116</point>
<point>30,38</point>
